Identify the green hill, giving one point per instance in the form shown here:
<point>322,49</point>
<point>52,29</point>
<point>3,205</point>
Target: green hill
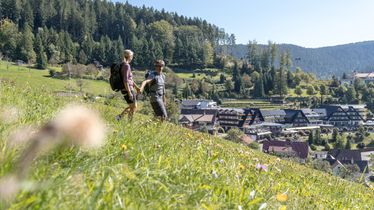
<point>148,165</point>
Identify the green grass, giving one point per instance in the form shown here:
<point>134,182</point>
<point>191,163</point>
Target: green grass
<point>253,103</point>
<point>148,165</point>
<point>23,76</point>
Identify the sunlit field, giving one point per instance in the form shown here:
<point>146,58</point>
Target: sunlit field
<point>145,164</point>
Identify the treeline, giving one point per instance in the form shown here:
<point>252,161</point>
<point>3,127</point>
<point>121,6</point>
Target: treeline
<point>258,75</point>
<point>83,31</point>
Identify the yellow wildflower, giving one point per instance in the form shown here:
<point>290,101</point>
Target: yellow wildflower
<point>281,197</point>
<point>283,207</point>
<point>124,147</point>
<point>241,166</point>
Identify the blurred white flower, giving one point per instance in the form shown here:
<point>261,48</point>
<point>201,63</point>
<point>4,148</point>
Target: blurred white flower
<point>9,114</point>
<point>21,135</point>
<point>9,186</point>
<point>263,206</point>
<point>252,194</point>
<point>81,125</point>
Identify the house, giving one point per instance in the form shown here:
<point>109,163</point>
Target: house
<point>366,77</point>
<point>287,148</point>
<point>339,117</point>
<point>367,154</point>
<point>273,116</point>
<point>198,104</point>
<point>230,117</point>
<point>345,154</point>
<point>250,117</point>
<point>321,155</point>
<point>313,117</point>
<point>197,119</point>
<point>277,99</point>
<point>356,109</point>
<point>359,157</point>
<point>337,165</point>
<point>296,118</point>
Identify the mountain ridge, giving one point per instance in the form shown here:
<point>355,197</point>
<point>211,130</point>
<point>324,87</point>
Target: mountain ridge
<point>325,61</point>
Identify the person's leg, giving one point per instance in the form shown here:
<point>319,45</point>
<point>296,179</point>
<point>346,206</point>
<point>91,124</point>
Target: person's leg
<point>132,110</point>
<point>159,110</point>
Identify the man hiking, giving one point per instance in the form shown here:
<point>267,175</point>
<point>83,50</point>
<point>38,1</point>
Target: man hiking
<point>156,82</point>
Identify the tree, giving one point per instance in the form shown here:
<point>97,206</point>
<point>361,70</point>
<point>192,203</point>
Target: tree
<point>258,90</point>
<point>348,144</point>
<point>247,83</point>
<point>310,138</point>
<point>351,95</point>
<point>25,44</point>
<point>238,85</point>
<point>162,31</point>
<point>8,37</point>
<point>335,134</point>
<point>339,144</point>
<point>41,58</point>
<point>234,134</point>
<point>187,93</point>
<point>298,91</point>
<point>327,147</point>
<point>228,85</point>
<point>310,90</point>
<point>222,78</point>
<point>360,145</point>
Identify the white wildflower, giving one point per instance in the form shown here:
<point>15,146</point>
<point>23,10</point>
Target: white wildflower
<point>263,206</point>
<point>9,186</point>
<point>81,125</point>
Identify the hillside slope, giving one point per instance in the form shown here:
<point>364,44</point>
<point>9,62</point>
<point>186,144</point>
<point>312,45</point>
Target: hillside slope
<point>326,61</point>
<point>148,165</point>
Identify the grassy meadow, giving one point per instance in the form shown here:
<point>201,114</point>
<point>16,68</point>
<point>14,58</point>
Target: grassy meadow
<point>148,165</point>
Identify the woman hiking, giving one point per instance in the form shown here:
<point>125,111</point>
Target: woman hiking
<point>128,92</point>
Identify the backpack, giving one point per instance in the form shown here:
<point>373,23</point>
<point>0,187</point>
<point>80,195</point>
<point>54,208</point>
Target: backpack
<point>147,87</point>
<point>115,79</point>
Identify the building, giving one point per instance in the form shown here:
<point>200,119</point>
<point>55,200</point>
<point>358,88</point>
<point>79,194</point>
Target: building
<point>337,116</point>
<point>313,117</point>
<point>198,119</point>
<point>287,148</point>
<point>296,118</point>
<point>230,117</point>
<point>198,104</point>
<point>273,116</point>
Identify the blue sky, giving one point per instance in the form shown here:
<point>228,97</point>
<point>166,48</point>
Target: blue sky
<point>308,23</point>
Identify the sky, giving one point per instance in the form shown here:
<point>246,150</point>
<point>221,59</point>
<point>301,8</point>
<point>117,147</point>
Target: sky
<point>307,23</point>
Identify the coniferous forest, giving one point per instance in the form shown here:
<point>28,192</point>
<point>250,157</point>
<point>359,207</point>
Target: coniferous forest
<point>83,31</point>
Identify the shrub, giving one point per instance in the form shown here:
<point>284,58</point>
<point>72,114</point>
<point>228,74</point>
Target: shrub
<point>254,145</point>
<point>51,72</point>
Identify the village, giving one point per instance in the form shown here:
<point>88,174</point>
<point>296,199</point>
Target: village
<point>286,132</point>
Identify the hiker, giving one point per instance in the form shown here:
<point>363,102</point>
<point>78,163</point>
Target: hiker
<point>156,82</point>
<point>128,92</point>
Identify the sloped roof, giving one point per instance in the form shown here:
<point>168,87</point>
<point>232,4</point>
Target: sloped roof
<point>321,112</point>
<point>291,114</point>
<point>278,112</point>
<point>363,165</point>
<point>199,111</point>
<point>301,148</point>
<point>345,154</point>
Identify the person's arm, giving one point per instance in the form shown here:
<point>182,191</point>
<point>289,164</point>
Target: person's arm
<point>144,83</point>
<point>125,75</point>
<point>136,88</point>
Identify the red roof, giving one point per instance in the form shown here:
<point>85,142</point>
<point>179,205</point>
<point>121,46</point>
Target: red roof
<point>300,148</point>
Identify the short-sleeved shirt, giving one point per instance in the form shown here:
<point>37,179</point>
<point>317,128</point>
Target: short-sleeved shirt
<point>127,74</point>
<point>157,86</point>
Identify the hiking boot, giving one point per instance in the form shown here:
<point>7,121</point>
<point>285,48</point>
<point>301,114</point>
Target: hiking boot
<point>118,117</point>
